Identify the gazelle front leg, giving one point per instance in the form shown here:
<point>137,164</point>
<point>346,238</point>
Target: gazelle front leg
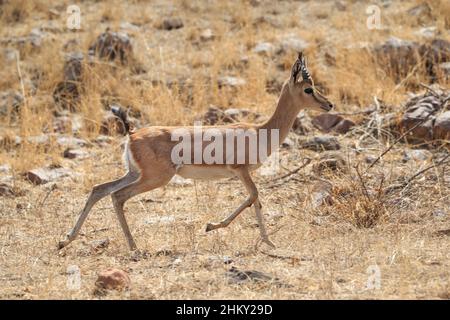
<point>244,176</point>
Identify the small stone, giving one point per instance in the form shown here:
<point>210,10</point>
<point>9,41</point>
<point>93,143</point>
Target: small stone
<point>99,244</point>
<point>46,174</point>
<point>441,129</point>
<point>111,46</point>
<point>112,279</point>
<point>292,43</point>
<point>427,32</point>
<point>320,143</point>
<point>160,220</point>
<point>288,143</point>
<point>228,81</point>
<point>41,139</point>
<point>417,155</point>
<point>207,35</point>
<point>302,124</point>
<point>75,154</point>
<point>73,66</point>
<point>10,102</point>
<point>330,161</point>
<point>343,126</point>
<point>129,26</point>
<point>327,122</point>
<point>321,193</point>
<point>73,142</point>
<point>369,159</point>
<point>171,24</point>
<point>264,48</point>
<point>6,190</point>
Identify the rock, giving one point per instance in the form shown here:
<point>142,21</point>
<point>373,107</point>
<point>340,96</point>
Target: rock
<point>320,143</point>
<point>237,276</point>
<point>215,115</point>
<point>73,66</point>
<point>103,140</point>
<point>207,35</point>
<point>111,125</point>
<point>321,193</point>
<point>34,39</point>
<point>99,244</point>
<point>326,121</point>
<point>288,143</point>
<point>292,43</point>
<point>171,24</point>
<point>264,48</point>
<point>5,168</point>
<point>426,106</point>
<point>330,161</point>
<point>9,54</point>
<point>228,81</point>
<point>6,190</point>
<point>68,141</point>
<point>302,124</point>
<point>441,129</point>
<point>421,10</point>
<point>10,102</point>
<point>160,220</point>
<point>112,46</point>
<point>67,95</point>
<point>340,5</point>
<point>129,26</point>
<point>70,153</point>
<point>444,68</point>
<point>427,32</point>
<point>46,174</point>
<point>112,279</point>
<point>399,56</point>
<point>369,159</point>
<point>41,139</point>
<point>416,155</point>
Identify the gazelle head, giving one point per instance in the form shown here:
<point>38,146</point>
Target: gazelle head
<point>301,88</point>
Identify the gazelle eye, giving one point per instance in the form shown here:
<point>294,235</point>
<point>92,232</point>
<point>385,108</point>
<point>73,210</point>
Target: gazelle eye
<point>309,90</point>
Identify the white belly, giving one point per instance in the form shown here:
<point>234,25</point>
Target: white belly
<point>204,172</point>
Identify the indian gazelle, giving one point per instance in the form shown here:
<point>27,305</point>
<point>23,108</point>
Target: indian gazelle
<point>149,156</point>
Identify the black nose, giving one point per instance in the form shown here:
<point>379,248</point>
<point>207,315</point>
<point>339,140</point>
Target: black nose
<point>330,105</point>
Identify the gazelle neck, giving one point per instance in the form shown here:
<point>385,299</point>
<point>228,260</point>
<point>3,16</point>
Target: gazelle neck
<point>284,116</point>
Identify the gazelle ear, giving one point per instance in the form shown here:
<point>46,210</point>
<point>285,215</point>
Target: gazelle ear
<point>296,68</point>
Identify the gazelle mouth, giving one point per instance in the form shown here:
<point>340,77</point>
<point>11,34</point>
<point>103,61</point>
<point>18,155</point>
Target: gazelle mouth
<point>326,108</point>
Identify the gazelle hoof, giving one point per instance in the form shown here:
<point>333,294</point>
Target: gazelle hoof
<point>62,244</point>
<point>269,243</point>
<point>209,227</point>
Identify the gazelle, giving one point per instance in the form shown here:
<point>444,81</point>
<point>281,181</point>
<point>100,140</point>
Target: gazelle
<point>148,156</point>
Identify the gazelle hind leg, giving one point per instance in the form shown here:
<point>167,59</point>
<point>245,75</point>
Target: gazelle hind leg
<point>262,228</point>
<point>98,192</point>
<point>119,198</point>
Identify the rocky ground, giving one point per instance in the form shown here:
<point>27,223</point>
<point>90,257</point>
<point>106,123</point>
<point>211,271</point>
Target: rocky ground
<point>359,208</point>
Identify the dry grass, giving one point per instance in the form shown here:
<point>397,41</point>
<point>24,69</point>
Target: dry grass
<point>322,252</point>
